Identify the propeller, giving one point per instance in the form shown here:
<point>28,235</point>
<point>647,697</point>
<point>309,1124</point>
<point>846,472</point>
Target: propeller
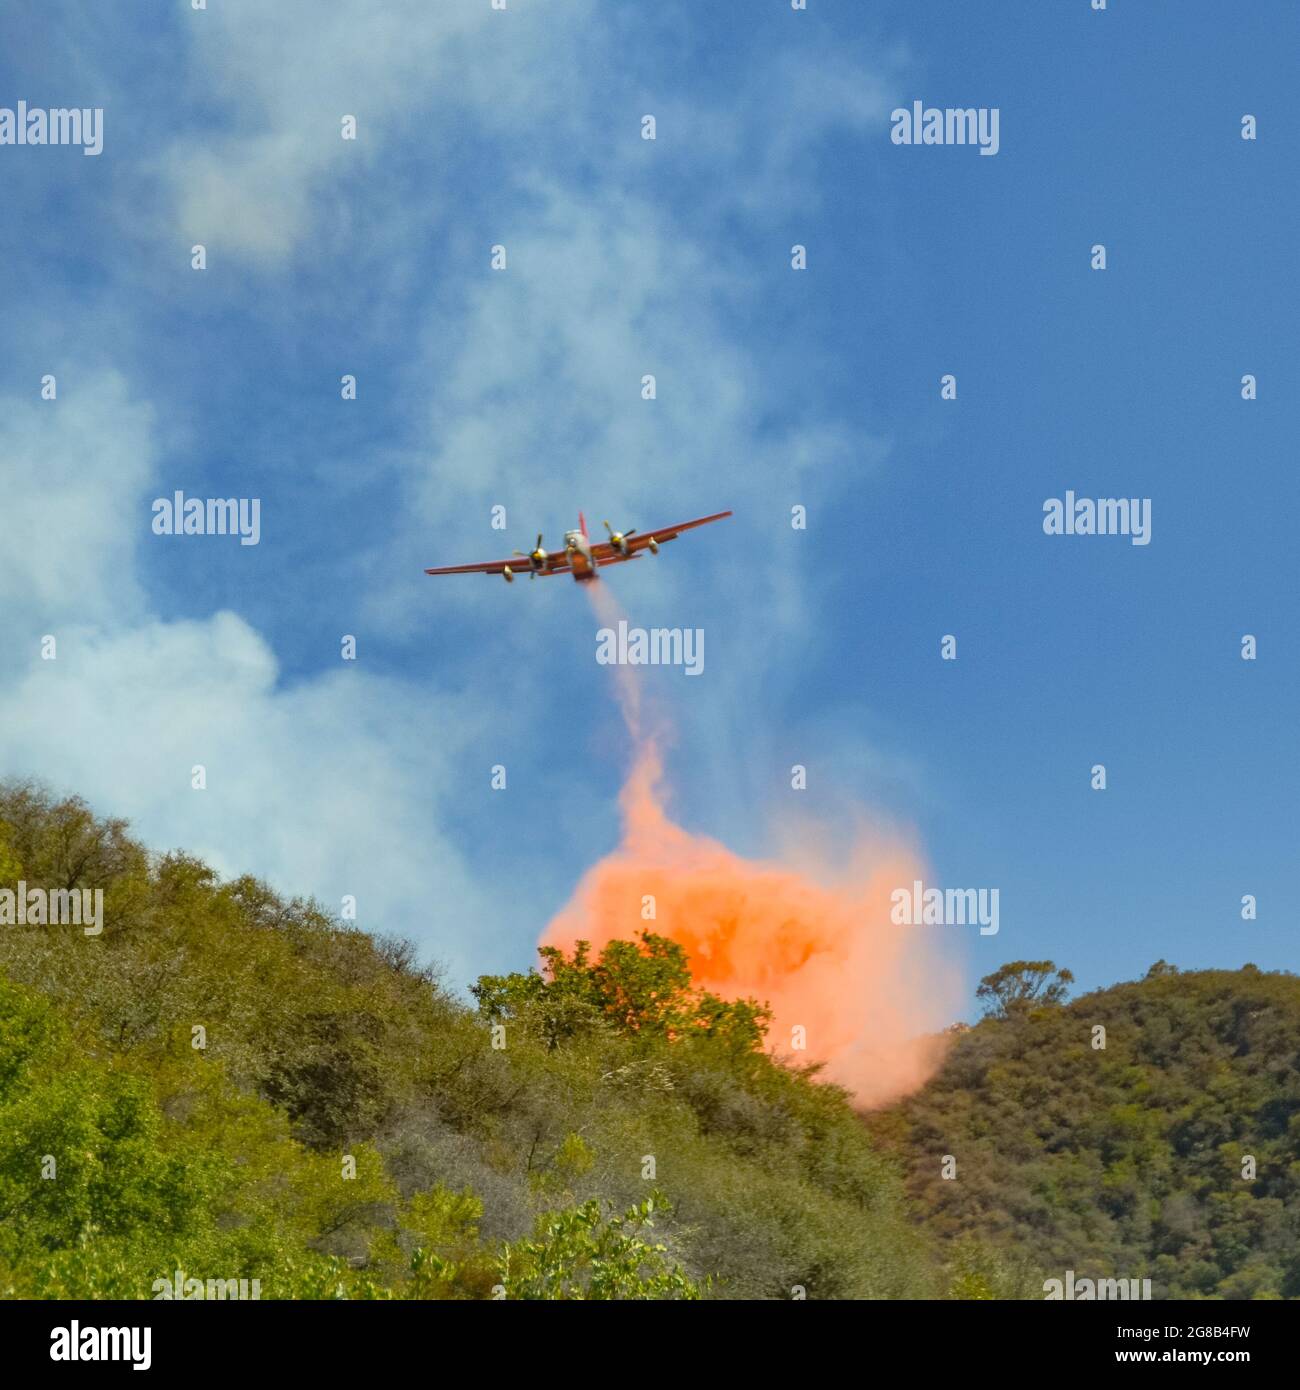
<point>537,558</point>
<point>619,539</point>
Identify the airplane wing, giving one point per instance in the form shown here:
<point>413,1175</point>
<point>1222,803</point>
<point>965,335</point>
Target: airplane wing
<point>518,563</point>
<point>604,552</point>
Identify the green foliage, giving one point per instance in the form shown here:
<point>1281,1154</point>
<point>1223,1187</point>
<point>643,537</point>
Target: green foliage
<point>79,1145</point>
<point>978,1271</point>
<point>234,1086</point>
<point>1022,985</point>
<point>202,1068</point>
<point>101,1193</point>
<point>579,1253</point>
<point>1126,1160</point>
<point>201,1071</point>
<point>643,988</point>
<point>10,869</point>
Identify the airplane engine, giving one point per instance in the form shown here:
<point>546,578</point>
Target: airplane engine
<point>538,558</point>
<point>508,575</point>
<point>619,539</point>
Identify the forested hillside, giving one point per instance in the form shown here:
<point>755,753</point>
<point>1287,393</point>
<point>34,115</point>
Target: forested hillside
<point>616,1110</point>
<point>234,1086</point>
<point>1170,1153</point>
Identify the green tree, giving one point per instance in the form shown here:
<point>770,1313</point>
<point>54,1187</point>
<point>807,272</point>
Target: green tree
<point>641,987</point>
<point>1021,985</point>
<point>581,1254</point>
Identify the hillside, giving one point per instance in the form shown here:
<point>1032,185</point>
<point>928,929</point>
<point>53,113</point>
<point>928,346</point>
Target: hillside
<point>1132,1161</point>
<point>223,1152</point>
<point>233,1085</point>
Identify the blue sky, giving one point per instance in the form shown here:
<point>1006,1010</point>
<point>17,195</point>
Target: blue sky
<point>775,388</point>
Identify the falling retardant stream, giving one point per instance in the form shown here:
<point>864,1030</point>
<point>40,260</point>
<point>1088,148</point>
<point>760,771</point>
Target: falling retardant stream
<point>815,942</point>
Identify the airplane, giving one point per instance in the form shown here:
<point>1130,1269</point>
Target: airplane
<point>580,557</point>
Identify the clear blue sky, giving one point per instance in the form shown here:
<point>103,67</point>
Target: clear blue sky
<point>776,388</point>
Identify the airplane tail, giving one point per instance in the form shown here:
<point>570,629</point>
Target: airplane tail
<point>582,524</point>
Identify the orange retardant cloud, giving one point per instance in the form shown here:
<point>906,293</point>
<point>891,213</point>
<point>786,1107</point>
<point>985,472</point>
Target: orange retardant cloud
<point>816,943</point>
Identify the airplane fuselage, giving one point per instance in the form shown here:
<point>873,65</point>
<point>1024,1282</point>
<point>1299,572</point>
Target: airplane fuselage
<point>577,549</point>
